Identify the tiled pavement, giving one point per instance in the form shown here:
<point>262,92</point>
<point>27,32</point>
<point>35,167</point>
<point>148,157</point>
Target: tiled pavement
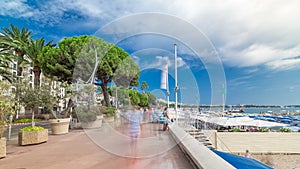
<point>105,148</point>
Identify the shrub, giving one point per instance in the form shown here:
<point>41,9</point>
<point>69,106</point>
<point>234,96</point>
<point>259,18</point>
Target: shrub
<point>285,130</point>
<point>87,114</point>
<point>263,130</point>
<point>30,128</point>
<point>234,130</point>
<point>5,109</point>
<point>108,111</point>
<point>26,120</point>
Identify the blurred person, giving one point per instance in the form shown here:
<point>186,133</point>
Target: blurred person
<point>247,154</point>
<point>167,119</point>
<point>135,117</point>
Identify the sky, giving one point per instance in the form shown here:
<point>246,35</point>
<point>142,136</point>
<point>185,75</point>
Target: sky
<point>250,47</point>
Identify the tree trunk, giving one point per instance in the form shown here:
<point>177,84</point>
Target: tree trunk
<point>70,104</point>
<point>51,111</point>
<point>20,60</point>
<point>105,94</point>
<point>37,74</point>
<point>32,118</point>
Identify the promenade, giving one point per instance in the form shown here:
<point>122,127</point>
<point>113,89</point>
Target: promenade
<point>84,150</point>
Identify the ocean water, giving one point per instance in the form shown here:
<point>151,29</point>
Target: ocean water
<point>273,110</point>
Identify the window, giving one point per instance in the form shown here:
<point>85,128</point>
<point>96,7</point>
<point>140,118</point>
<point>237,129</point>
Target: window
<point>30,71</point>
<point>15,66</point>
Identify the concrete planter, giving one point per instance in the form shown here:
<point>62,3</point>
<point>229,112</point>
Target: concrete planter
<point>110,119</point>
<point>33,137</point>
<point>59,126</point>
<point>2,147</point>
<point>94,124</point>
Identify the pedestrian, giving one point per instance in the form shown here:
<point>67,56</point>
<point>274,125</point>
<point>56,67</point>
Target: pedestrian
<point>247,154</point>
<point>135,118</point>
<point>166,119</point>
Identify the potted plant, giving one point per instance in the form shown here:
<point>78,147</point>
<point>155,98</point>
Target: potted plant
<point>5,109</point>
<point>89,116</point>
<point>32,135</point>
<point>109,113</point>
<point>3,122</point>
<point>61,121</point>
<point>32,98</point>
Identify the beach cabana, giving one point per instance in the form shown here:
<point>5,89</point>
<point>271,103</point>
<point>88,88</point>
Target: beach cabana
<point>240,162</point>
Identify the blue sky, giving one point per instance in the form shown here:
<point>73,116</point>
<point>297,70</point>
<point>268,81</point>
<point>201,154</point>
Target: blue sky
<point>257,42</point>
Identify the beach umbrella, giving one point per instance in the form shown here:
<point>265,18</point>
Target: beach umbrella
<point>262,123</point>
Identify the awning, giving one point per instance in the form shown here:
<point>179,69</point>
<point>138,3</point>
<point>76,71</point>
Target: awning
<point>240,162</point>
<point>239,121</point>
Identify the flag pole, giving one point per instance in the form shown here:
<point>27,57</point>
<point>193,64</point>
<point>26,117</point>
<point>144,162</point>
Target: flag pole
<point>223,98</point>
<point>176,84</point>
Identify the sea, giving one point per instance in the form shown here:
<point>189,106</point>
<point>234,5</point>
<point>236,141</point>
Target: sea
<point>257,110</point>
<point>272,110</point>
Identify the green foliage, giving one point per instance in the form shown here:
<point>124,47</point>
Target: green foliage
<point>33,48</point>
<point>143,100</point>
<point>134,97</point>
<point>107,111</point>
<point>285,130</point>
<point>26,120</point>
<point>113,62</point>
<point>6,106</point>
<point>30,128</point>
<point>144,86</point>
<point>234,130</point>
<point>264,130</point>
<point>86,113</point>
<point>14,42</point>
<point>37,97</point>
<point>140,99</point>
<point>126,71</point>
<point>5,69</point>
<point>60,62</point>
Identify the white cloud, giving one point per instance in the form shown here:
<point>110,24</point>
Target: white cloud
<point>16,8</point>
<point>246,33</point>
<point>258,54</point>
<point>284,64</point>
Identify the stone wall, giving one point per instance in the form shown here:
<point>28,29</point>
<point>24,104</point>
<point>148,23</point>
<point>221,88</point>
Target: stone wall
<point>201,156</point>
<point>255,142</point>
<point>2,147</point>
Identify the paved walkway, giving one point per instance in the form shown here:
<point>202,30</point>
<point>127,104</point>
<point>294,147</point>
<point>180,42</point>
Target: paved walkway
<point>92,149</point>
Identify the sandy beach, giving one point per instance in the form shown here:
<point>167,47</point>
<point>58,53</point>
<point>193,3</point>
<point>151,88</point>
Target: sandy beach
<point>280,161</point>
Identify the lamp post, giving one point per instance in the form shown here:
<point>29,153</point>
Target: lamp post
<point>176,84</point>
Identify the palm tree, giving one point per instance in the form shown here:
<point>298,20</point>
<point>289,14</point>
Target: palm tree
<point>144,86</point>
<point>33,49</point>
<point>5,70</point>
<point>13,41</point>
